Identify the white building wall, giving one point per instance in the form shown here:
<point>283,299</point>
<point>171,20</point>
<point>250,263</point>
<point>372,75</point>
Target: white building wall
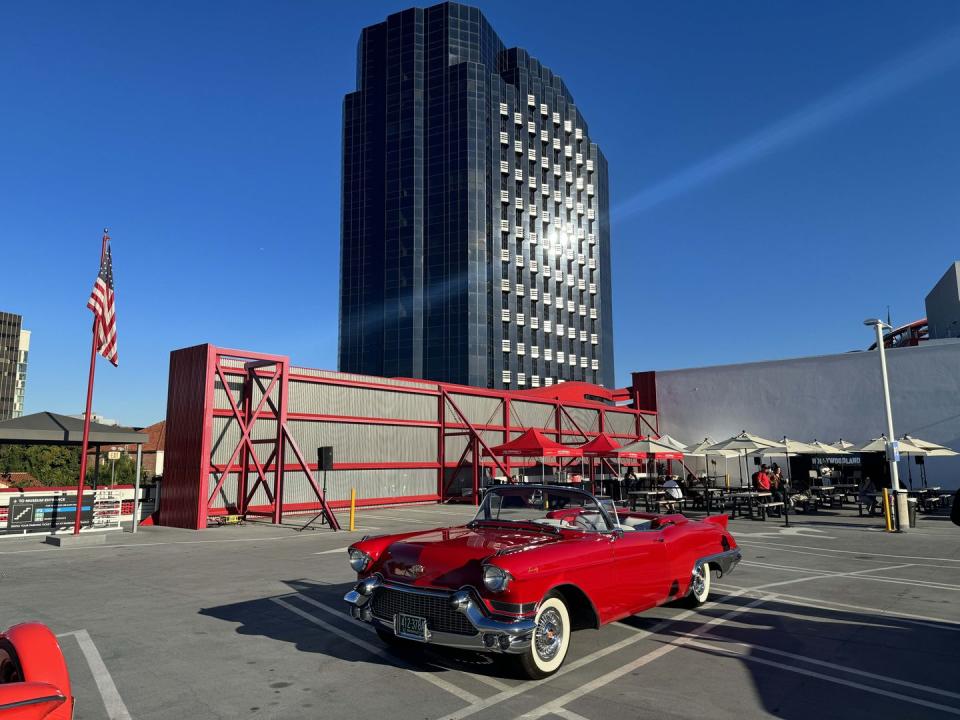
<point>824,398</point>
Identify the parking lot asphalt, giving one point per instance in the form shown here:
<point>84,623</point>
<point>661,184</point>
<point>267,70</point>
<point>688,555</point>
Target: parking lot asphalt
<point>831,617</point>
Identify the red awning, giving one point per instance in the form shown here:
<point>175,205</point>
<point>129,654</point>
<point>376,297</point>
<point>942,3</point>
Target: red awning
<point>533,443</point>
<point>601,446</point>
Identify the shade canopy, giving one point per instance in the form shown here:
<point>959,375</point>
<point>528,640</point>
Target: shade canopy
<point>601,446</point>
<point>47,428</point>
<point>826,449</point>
<point>702,449</point>
<point>533,443</point>
<point>791,447</point>
<point>743,441</point>
<point>842,444</point>
<point>879,445</point>
<point>671,442</point>
<point>933,449</point>
<point>650,448</point>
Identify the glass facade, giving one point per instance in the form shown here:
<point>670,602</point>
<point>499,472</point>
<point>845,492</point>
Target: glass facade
<point>14,347</point>
<point>475,231</point>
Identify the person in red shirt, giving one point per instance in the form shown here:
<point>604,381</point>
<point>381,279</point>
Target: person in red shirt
<point>763,479</point>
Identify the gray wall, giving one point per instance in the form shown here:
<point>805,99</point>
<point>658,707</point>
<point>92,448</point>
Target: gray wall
<point>943,305</point>
<point>823,398</point>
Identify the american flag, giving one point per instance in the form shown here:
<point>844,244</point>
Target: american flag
<point>101,302</point>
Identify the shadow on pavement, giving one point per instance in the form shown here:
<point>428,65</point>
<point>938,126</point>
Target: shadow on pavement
<point>266,618</point>
<point>800,658</point>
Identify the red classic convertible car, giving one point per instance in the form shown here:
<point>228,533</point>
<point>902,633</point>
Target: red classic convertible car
<point>34,682</point>
<point>537,562</point>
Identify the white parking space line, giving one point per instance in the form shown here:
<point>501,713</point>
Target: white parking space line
<point>120,546</point>
<point>630,667</point>
<point>116,709</point>
<point>832,666</point>
<point>888,556</point>
<point>464,514</point>
<point>492,682</point>
<point>828,678</point>
<point>781,583</point>
<point>331,552</point>
<point>907,618</point>
<point>568,714</point>
<point>569,667</point>
<point>879,559</point>
<point>404,519</point>
<point>379,651</point>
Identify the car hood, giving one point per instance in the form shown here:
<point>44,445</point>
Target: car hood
<point>453,557</point>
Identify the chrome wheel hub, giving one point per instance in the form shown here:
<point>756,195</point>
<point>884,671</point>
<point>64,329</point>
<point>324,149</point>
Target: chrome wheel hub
<point>698,581</point>
<point>548,637</point>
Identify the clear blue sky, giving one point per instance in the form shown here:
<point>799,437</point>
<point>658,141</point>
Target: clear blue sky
<point>779,171</point>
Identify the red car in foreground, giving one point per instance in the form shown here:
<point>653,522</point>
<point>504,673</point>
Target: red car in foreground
<point>34,682</point>
<point>537,562</point>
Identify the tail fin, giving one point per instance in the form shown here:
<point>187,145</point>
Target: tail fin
<point>720,520</point>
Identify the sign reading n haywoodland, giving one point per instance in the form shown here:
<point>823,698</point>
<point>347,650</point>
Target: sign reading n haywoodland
<point>44,513</point>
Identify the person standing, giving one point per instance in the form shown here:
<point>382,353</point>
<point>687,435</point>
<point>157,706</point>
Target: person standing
<point>762,480</point>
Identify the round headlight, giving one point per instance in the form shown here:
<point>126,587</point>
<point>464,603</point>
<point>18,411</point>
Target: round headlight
<point>496,579</point>
<point>359,560</point>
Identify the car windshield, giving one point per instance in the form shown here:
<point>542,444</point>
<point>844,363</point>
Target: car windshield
<point>544,505</point>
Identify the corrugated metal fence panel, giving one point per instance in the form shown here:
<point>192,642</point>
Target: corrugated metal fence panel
<point>256,393</point>
<point>479,410</point>
<point>223,439</point>
<point>355,443</point>
<point>220,400</point>
<point>226,435</point>
<point>379,483</point>
<point>620,423</point>
<point>532,415</point>
<point>183,503</point>
<point>307,397</point>
<point>586,418</point>
<point>227,494</point>
<point>453,446</point>
<point>425,385</point>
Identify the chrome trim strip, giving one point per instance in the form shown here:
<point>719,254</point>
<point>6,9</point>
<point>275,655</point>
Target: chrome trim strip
<point>519,632</point>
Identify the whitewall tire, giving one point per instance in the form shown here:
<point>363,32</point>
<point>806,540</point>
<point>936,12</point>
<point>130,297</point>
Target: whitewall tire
<point>550,641</point>
<point>699,585</point>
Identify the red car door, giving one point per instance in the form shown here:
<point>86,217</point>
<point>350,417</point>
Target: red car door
<point>640,566</point>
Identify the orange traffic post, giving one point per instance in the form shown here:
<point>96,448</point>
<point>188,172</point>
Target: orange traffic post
<point>353,507</point>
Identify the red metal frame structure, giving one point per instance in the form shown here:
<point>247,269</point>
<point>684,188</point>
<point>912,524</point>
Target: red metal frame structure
<point>265,409</point>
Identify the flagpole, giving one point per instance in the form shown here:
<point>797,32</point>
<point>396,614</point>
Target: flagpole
<point>86,415</point>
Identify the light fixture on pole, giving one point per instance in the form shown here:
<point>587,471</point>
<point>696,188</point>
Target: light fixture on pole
<point>893,454</point>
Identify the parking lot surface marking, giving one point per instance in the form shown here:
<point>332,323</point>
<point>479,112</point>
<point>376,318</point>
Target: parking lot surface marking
<point>822,676</point>
<point>609,677</point>
<point>116,710</point>
<point>379,651</point>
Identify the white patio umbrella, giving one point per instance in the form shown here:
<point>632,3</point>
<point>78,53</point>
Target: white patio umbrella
<point>842,444</point>
<point>933,450</point>
<point>879,445</point>
<point>701,449</point>
<point>672,442</point>
<point>830,449</point>
<point>743,442</point>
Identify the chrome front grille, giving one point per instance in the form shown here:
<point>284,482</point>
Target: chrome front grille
<point>441,617</point>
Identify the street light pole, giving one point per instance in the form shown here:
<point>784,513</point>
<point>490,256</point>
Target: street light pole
<point>899,495</point>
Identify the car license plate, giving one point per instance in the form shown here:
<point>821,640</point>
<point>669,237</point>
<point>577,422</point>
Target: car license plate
<point>410,626</point>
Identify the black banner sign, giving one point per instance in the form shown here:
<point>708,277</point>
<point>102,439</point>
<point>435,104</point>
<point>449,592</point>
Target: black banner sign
<point>45,513</point>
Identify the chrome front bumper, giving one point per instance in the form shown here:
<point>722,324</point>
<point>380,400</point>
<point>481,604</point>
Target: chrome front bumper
<point>491,635</point>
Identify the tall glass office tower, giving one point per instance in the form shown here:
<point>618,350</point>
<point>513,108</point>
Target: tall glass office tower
<point>475,242</point>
